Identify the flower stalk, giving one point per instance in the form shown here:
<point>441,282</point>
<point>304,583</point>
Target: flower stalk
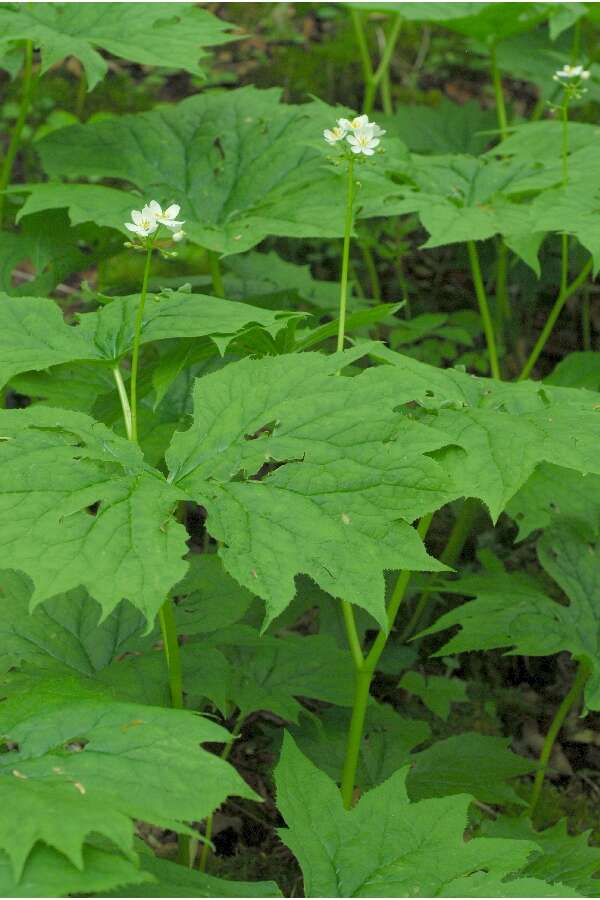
<point>15,138</point>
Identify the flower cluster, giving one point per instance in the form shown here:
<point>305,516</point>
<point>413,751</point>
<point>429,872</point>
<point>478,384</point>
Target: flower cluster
<point>146,222</point>
<point>571,78</point>
<point>360,136</point>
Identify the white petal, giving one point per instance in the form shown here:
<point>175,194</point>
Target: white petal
<point>172,211</point>
<point>148,214</point>
<point>360,122</point>
<point>131,227</point>
<point>345,124</point>
<point>178,236</point>
<point>368,152</point>
<point>174,223</point>
<point>154,208</point>
<point>356,149</point>
<point>136,216</point>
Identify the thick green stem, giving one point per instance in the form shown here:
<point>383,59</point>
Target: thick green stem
<point>208,828</point>
<point>373,78</point>
<point>168,628</point>
<point>15,138</point>
<point>352,634</point>
<point>583,673</point>
<point>551,320</point>
<point>357,724</point>
<point>372,270</point>
<point>499,95</point>
<point>122,391</point>
<point>365,669</point>
<point>396,599</point>
<point>135,357</point>
<point>450,556</point>
<point>346,256</point>
<point>564,261</point>
<point>484,309</point>
<point>215,273</point>
<point>363,49</point>
<point>166,613</point>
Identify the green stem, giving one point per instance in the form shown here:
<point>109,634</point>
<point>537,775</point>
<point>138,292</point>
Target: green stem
<point>386,59</point>
<point>396,599</point>
<point>346,256</point>
<point>565,140</point>
<point>564,262</point>
<point>15,138</point>
<point>386,94</point>
<point>450,556</point>
<point>365,669</point>
<point>166,614</point>
<point>372,270</point>
<point>499,95</point>
<point>124,399</point>
<point>484,309</point>
<point>168,628</point>
<point>208,828</point>
<point>551,320</point>
<point>583,673</point>
<point>361,40</point>
<point>357,723</point>
<point>215,273</point>
<point>371,77</point>
<point>135,358</point>
<point>352,634</point>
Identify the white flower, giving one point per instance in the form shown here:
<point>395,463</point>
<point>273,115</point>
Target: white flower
<point>571,73</point>
<point>333,135</point>
<point>168,217</point>
<point>353,124</point>
<point>143,222</point>
<point>377,131</point>
<point>363,141</point>
<point>178,235</point>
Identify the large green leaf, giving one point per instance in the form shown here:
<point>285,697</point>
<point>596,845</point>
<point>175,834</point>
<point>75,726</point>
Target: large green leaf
<point>443,128</point>
<point>160,34</point>
<point>49,873</point>
<point>514,610</point>
<point>550,492</point>
<point>80,508</point>
<point>268,673</point>
<point>463,198</point>
<point>468,763</point>
<point>389,847</point>
<point>482,418</point>
<point>63,633</point>
<point>437,693</point>
<point>355,474</point>
<point>387,741</point>
<point>241,164</point>
<point>562,857</point>
<point>54,248</point>
<point>98,764</point>
<point>171,880</point>
<point>34,335</point>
